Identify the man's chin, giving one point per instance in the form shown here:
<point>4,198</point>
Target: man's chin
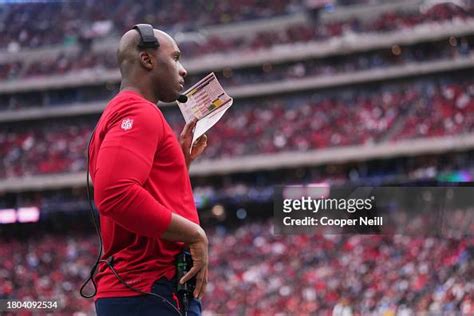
<point>170,98</point>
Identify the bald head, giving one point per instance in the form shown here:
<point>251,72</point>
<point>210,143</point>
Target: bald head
<point>157,69</point>
<point>128,51</point>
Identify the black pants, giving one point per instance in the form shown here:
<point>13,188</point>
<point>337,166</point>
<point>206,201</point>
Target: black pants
<point>147,305</point>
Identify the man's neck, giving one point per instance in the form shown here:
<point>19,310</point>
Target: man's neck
<point>124,86</point>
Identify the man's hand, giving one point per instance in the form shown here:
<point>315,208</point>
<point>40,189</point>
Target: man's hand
<point>185,140</point>
<point>199,253</point>
<point>182,229</point>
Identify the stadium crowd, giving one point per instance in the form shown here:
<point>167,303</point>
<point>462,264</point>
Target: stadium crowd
<point>255,272</point>
<point>451,48</point>
<point>54,148</point>
<point>308,32</point>
<point>69,22</point>
<point>50,268</point>
<point>86,59</point>
<point>62,25</point>
<point>423,108</point>
<point>368,274</point>
<point>237,190</point>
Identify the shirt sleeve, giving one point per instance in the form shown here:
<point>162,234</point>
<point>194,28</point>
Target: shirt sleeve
<point>124,162</point>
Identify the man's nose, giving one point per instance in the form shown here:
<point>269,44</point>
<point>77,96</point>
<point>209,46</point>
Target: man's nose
<point>182,71</point>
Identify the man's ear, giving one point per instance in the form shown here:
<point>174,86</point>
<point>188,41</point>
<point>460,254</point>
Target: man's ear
<point>145,60</point>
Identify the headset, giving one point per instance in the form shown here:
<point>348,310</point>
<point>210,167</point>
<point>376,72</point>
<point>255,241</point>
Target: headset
<point>147,40</point>
<point>147,36</point>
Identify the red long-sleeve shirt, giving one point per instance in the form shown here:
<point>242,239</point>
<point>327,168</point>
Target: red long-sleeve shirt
<point>140,177</point>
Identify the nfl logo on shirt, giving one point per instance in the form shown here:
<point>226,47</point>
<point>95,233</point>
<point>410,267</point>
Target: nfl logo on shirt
<point>127,124</point>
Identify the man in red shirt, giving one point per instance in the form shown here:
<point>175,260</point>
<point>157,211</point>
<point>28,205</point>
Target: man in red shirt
<point>142,187</point>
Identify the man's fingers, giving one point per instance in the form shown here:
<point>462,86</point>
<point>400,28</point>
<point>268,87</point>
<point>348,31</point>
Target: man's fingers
<point>198,147</point>
<point>201,141</point>
<point>201,283</point>
<point>190,274</point>
<point>188,128</point>
<point>199,279</point>
<point>204,285</point>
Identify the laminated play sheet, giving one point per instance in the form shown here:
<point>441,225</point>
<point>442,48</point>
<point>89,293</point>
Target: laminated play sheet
<point>207,101</point>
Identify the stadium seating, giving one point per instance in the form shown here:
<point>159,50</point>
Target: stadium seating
<point>255,272</point>
<point>395,56</point>
<point>60,27</point>
<point>238,190</point>
<point>61,23</point>
<point>292,123</point>
<point>304,33</point>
